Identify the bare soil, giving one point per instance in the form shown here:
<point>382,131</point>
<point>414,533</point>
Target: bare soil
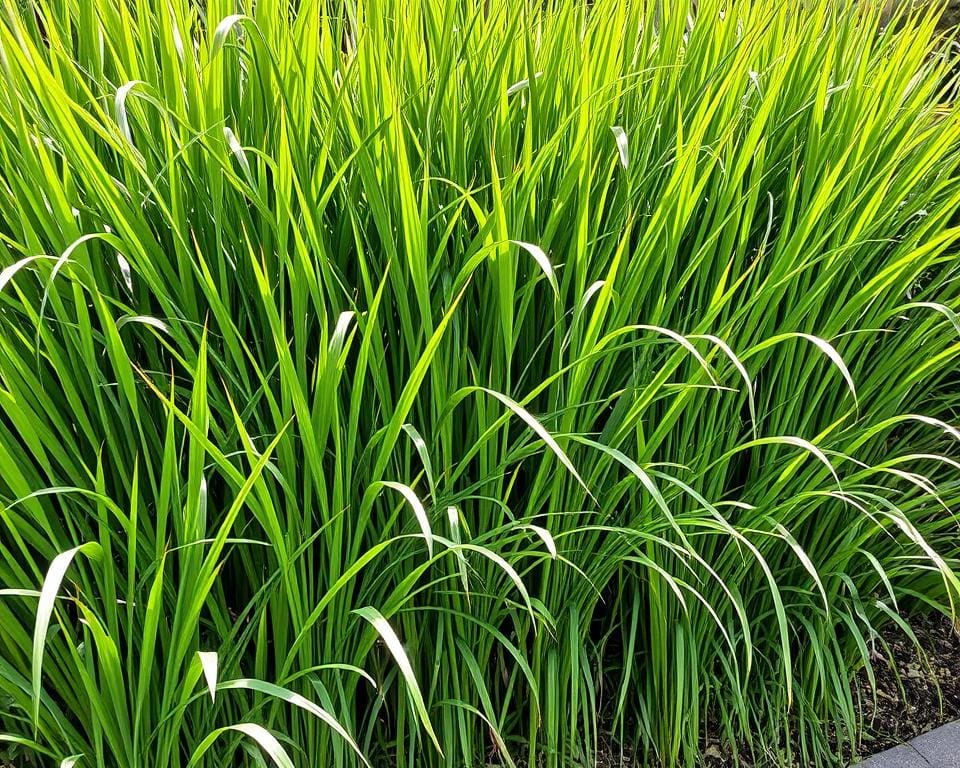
<point>917,693</point>
<point>917,690</point>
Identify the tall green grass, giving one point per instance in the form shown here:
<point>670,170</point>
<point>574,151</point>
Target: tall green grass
<point>464,382</point>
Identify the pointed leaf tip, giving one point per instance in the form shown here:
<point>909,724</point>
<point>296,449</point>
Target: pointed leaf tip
<point>623,147</point>
<point>543,261</point>
<point>209,661</point>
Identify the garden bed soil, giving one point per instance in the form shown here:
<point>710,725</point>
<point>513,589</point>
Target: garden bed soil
<point>917,692</point>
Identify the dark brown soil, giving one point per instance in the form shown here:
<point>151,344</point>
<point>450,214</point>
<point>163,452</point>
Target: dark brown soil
<point>920,691</point>
<point>916,691</point>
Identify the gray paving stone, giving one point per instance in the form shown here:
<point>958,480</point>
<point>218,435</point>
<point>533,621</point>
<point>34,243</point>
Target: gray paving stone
<point>903,756</point>
<point>941,747</point>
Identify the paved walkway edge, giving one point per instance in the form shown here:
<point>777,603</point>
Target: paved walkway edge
<point>939,748</point>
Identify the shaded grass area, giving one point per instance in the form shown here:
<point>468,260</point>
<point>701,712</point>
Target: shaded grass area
<point>464,383</point>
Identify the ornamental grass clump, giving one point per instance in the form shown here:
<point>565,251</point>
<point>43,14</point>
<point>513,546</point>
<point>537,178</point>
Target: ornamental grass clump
<point>404,383</point>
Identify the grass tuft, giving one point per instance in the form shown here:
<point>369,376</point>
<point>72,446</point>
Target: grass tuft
<point>461,383</point>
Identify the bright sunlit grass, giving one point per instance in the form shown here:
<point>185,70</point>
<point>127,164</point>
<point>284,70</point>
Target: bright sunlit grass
<point>443,383</point>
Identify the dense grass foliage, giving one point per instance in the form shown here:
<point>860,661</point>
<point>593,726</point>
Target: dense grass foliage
<point>444,383</point>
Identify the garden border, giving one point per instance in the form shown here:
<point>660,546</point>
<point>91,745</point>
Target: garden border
<point>939,748</point>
